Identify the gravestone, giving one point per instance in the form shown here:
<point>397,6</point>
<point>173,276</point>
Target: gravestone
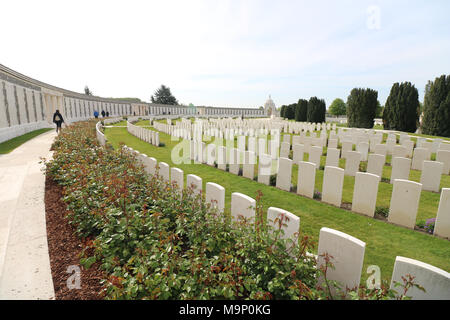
<point>352,163</point>
<point>286,221</point>
<point>242,205</point>
<point>222,158</point>
<point>332,157</point>
<point>435,281</point>
<point>375,164</point>
<point>444,157</point>
<point>333,181</point>
<point>442,224</point>
<point>365,193</point>
<point>400,169</point>
<point>215,194</point>
<point>285,149</point>
<point>164,171</point>
<point>297,153</point>
<point>284,174</point>
<point>332,143</point>
<point>264,169</point>
<point>363,148</point>
<point>210,154</point>
<point>399,151</point>
<point>315,154</point>
<point>347,146</point>
<point>234,161</point>
<point>248,170</point>
<point>404,203</point>
<point>419,156</point>
<point>194,182</point>
<point>431,175</point>
<point>348,257</point>
<point>381,149</point>
<point>306,179</point>
<point>177,177</point>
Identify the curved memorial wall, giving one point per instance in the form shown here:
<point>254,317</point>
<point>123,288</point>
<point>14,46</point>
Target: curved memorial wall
<point>27,104</point>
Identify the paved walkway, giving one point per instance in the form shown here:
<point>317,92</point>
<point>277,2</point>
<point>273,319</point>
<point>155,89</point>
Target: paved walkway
<point>24,261</point>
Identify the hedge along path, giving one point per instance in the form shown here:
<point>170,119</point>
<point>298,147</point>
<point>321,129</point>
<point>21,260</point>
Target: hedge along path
<point>383,241</point>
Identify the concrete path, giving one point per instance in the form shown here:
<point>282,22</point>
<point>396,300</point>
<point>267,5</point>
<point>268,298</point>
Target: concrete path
<point>24,261</point>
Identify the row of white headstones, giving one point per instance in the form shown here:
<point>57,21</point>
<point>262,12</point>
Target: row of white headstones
<point>347,251</point>
<point>404,199</point>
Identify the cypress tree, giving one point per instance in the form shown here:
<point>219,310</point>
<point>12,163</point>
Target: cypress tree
<point>316,110</point>
<point>282,111</point>
<point>361,108</point>
<point>436,107</point>
<point>301,110</point>
<point>290,111</point>
<point>401,111</point>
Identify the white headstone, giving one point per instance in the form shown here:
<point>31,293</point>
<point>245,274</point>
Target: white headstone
<point>164,171</point>
<point>265,168</point>
<point>400,168</point>
<point>435,281</point>
<point>315,154</point>
<point>444,157</point>
<point>242,205</point>
<point>375,164</point>
<point>284,174</point>
<point>442,223</point>
<point>215,194</point>
<point>333,155</point>
<point>404,203</point>
<point>352,163</point>
<point>333,181</point>
<point>419,156</point>
<point>365,193</point>
<point>194,182</point>
<point>431,175</point>
<point>306,179</point>
<point>348,257</point>
<point>286,221</point>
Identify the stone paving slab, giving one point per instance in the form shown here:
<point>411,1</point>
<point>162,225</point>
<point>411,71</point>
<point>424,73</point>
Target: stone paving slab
<point>24,260</point>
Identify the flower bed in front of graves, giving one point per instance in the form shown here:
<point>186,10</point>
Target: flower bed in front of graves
<point>153,244</point>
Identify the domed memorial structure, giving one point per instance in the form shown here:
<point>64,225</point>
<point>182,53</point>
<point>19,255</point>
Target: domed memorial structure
<point>269,107</point>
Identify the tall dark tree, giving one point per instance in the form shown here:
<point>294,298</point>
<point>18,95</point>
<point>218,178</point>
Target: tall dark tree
<point>436,107</point>
<point>362,107</point>
<point>301,110</point>
<point>164,96</point>
<point>87,91</point>
<point>401,111</point>
<point>290,111</point>
<point>316,110</point>
<point>282,111</point>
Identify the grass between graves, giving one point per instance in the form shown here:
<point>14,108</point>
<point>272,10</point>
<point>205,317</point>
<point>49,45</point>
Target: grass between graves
<point>10,145</point>
<point>384,241</point>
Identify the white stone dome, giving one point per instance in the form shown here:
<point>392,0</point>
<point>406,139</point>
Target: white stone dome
<point>269,106</point>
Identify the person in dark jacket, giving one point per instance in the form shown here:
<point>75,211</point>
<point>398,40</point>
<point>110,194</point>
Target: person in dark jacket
<point>58,119</point>
<point>103,113</point>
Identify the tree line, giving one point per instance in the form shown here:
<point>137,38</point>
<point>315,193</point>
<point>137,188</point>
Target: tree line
<point>401,112</point>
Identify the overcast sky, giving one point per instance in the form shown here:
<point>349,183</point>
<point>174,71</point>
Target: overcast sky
<point>227,53</point>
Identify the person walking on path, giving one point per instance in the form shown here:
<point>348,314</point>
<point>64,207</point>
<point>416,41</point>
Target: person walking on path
<point>58,119</point>
<point>103,113</point>
<point>96,114</point>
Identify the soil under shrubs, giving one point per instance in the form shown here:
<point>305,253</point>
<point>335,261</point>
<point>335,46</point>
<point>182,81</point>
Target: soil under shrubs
<point>65,248</point>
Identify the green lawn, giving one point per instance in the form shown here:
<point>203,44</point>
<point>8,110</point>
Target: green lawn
<point>10,145</point>
<point>383,241</point>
